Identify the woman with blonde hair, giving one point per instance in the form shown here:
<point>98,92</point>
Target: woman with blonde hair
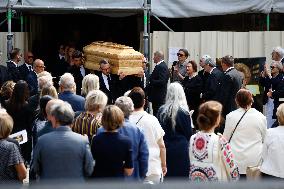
<point>90,82</point>
<point>89,121</point>
<point>12,168</point>
<point>211,158</point>
<point>49,90</point>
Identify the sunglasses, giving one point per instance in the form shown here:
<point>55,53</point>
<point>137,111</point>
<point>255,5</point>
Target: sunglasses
<point>272,67</point>
<point>30,56</point>
<point>180,55</point>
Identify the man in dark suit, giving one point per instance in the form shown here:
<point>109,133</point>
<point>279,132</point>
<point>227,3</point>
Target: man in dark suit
<point>109,83</point>
<point>202,73</point>
<point>68,87</point>
<point>232,84</point>
<point>157,88</point>
<point>12,64</point>
<point>32,81</point>
<point>213,87</point>
<point>77,70</point>
<point>4,75</point>
<point>26,68</point>
<point>62,154</point>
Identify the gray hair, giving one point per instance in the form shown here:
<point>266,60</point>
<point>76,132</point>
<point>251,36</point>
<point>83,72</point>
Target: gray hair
<point>126,105</point>
<point>95,100</point>
<point>90,82</point>
<point>279,50</point>
<point>63,113</point>
<point>159,54</point>
<point>44,80</point>
<point>67,82</point>
<point>278,65</point>
<point>175,100</point>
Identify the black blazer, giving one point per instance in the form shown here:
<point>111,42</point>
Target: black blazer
<point>213,88</point>
<point>114,91</point>
<point>75,71</point>
<point>32,82</point>
<point>157,88</point>
<point>4,75</point>
<point>13,71</point>
<point>24,71</point>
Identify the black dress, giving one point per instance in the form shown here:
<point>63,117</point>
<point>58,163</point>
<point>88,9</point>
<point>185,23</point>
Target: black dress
<point>177,143</point>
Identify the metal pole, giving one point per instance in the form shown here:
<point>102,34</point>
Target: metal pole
<point>145,33</point>
<point>22,22</point>
<point>267,22</point>
<point>149,30</point>
<point>9,35</point>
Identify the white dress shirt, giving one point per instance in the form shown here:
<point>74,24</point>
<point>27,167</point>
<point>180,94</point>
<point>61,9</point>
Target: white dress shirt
<point>82,70</point>
<point>273,152</point>
<point>105,81</point>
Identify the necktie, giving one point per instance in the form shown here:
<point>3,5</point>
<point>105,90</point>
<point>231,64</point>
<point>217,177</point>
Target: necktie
<point>109,81</point>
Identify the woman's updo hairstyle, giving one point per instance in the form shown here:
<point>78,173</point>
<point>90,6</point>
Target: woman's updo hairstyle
<point>209,115</point>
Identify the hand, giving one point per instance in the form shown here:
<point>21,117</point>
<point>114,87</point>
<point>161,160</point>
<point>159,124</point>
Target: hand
<point>121,75</point>
<point>176,69</point>
<point>164,170</point>
<point>269,94</point>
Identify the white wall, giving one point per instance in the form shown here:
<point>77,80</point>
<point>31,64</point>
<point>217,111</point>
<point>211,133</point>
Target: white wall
<point>20,41</point>
<point>218,44</point>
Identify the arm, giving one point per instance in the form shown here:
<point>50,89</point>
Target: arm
<point>21,171</point>
<point>163,77</point>
<point>128,164</point>
<point>163,155</point>
<point>143,157</point>
<point>88,159</point>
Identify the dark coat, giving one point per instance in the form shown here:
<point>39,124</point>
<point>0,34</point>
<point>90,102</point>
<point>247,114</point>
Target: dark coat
<point>157,88</point>
<point>277,84</point>
<point>13,71</point>
<point>4,75</point>
<point>78,77</point>
<point>32,82</point>
<point>177,143</point>
<point>204,76</point>
<point>24,71</point>
<point>213,87</point>
<point>77,102</point>
<point>232,84</point>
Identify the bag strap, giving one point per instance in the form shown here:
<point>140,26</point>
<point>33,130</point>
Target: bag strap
<point>237,125</point>
<point>139,119</point>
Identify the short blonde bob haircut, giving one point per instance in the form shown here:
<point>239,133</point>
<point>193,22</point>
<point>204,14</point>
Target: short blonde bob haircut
<point>90,82</point>
<point>96,100</point>
<point>280,114</point>
<point>112,118</point>
<point>6,124</point>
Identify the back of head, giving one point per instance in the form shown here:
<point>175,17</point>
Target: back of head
<point>7,89</point>
<point>14,53</point>
<point>44,80</point>
<point>43,102</point>
<point>244,98</point>
<point>210,62</point>
<point>96,100</point>
<point>77,54</point>
<point>19,96</point>
<point>6,124</point>
<point>125,104</point>
<point>49,90</point>
<point>228,60</point>
<point>138,96</point>
<point>63,113</point>
<point>209,115</point>
<point>67,82</point>
<point>112,118</point>
<point>90,82</point>
<point>280,114</point>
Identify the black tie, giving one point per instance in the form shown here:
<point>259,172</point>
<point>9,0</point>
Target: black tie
<point>109,81</point>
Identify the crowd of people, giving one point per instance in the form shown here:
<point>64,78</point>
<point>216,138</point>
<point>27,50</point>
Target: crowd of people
<point>92,125</point>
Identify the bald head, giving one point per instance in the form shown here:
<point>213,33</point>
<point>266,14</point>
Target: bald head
<point>38,66</point>
<point>50,104</point>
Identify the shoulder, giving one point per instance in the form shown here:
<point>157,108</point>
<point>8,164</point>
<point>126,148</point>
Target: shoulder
<point>78,97</point>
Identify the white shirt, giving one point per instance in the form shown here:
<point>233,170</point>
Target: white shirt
<point>61,56</point>
<point>212,70</point>
<point>105,81</point>
<point>153,131</point>
<point>159,62</point>
<point>273,152</point>
<point>14,63</point>
<point>248,138</point>
<point>228,69</point>
<point>30,68</point>
<point>82,70</point>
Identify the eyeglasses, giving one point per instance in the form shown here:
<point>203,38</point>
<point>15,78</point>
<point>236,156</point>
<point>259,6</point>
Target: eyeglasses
<point>105,68</point>
<point>272,67</point>
<point>180,55</point>
<point>30,56</point>
<point>40,66</point>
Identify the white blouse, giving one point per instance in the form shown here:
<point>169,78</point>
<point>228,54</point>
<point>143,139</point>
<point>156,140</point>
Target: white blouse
<point>273,152</point>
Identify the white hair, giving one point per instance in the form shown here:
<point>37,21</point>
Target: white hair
<point>125,103</point>
<point>67,82</point>
<point>175,100</point>
<point>44,80</point>
<point>90,82</point>
<point>279,50</point>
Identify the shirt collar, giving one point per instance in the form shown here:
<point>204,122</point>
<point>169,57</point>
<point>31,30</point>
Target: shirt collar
<point>229,69</point>
<point>160,62</point>
<point>212,70</point>
<point>63,128</point>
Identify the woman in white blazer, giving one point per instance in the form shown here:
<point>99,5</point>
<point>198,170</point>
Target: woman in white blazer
<point>273,153</point>
<point>247,138</point>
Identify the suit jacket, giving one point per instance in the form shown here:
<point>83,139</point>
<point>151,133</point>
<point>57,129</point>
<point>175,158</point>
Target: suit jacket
<point>13,71</point>
<point>75,71</point>
<point>157,88</point>
<point>68,156</point>
<point>213,88</point>
<point>32,82</point>
<point>77,102</point>
<point>204,76</point>
<point>4,75</point>
<point>24,71</point>
<point>114,90</point>
<point>233,83</point>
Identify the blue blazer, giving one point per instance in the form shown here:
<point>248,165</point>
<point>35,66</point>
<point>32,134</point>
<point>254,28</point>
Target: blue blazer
<point>77,102</point>
<point>32,82</point>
